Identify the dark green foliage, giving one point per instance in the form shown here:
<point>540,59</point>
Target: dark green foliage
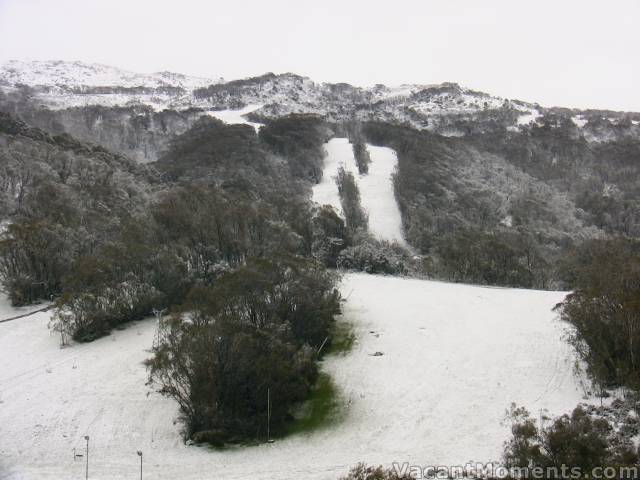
<point>92,228</point>
<point>298,138</point>
<point>256,329</point>
<point>356,219</point>
<point>193,235</point>
<point>492,259</point>
<point>573,441</point>
<point>211,148</point>
<point>292,290</point>
<point>113,243</point>
<point>63,199</point>
<point>364,472</point>
<point>329,236</point>
<point>321,409</point>
<point>462,205</point>
<point>605,309</point>
<point>373,256</point>
<point>234,87</point>
<point>362,157</point>
<point>209,225</point>
<point>602,177</point>
<point>31,266</point>
<point>422,184</point>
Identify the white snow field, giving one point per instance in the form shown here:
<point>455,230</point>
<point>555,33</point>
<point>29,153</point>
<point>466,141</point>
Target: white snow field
<point>378,197</point>
<point>376,188</point>
<point>338,153</point>
<point>234,117</point>
<point>454,358</point>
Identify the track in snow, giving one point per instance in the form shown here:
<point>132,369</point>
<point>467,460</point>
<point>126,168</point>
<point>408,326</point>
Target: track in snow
<point>455,357</point>
<point>376,187</point>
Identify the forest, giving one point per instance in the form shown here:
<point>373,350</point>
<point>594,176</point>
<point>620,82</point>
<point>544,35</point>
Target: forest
<point>218,236</point>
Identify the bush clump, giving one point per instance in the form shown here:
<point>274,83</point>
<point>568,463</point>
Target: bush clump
<point>367,472</point>
<point>578,441</point>
<point>254,335</point>
<point>362,157</point>
<point>604,308</point>
<point>374,256</point>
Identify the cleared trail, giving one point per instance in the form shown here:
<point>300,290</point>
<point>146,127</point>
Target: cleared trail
<point>235,117</point>
<point>376,187</point>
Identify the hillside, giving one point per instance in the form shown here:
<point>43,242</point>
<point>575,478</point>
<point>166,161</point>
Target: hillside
<point>230,210</point>
<point>528,182</point>
<point>130,112</point>
<point>452,359</point>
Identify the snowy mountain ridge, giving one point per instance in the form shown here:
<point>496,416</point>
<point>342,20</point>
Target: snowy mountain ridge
<point>75,75</point>
<point>61,84</point>
<point>135,114</point>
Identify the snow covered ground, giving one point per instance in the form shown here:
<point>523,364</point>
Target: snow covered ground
<point>339,153</point>
<point>378,197</point>
<point>234,117</point>
<point>376,188</point>
<point>529,117</point>
<point>72,84</point>
<point>579,121</point>
<point>454,358</point>
<point>80,75</point>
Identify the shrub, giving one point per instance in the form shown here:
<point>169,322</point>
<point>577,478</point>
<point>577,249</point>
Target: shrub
<point>356,219</point>
<point>299,138</point>
<point>252,335</point>
<point>362,157</point>
<point>373,256</point>
<point>329,236</point>
<point>605,309</point>
<point>87,315</point>
<point>474,256</point>
<point>364,472</point>
<point>575,440</point>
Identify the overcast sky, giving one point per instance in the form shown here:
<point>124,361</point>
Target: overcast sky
<point>576,53</point>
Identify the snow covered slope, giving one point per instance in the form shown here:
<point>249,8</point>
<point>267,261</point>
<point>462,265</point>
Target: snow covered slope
<point>378,197</point>
<point>339,153</point>
<point>60,84</point>
<point>79,74</point>
<point>376,187</point>
<point>236,116</point>
<point>453,359</point>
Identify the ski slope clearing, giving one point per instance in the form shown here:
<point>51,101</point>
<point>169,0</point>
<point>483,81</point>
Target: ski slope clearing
<point>339,154</point>
<point>234,117</point>
<point>376,188</point>
<point>378,197</point>
<point>453,359</point>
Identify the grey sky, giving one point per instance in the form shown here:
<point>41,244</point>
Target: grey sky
<point>569,53</point>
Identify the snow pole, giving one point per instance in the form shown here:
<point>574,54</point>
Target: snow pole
<point>86,473</point>
<point>268,415</point>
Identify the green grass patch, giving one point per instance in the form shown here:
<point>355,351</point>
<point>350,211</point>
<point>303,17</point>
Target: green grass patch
<point>321,410</point>
<point>324,408</point>
<point>343,338</point>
